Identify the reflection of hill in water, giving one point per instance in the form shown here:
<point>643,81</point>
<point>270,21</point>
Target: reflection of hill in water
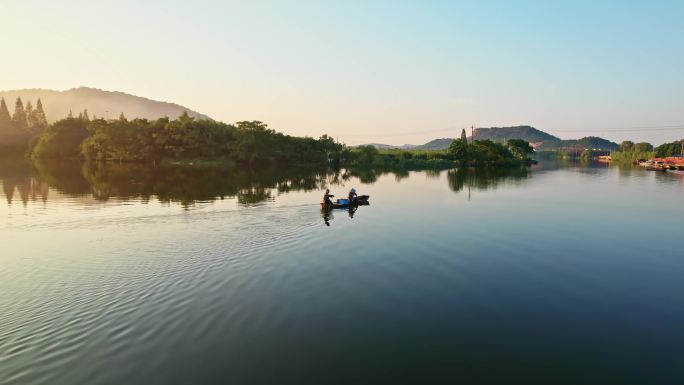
<point>486,178</point>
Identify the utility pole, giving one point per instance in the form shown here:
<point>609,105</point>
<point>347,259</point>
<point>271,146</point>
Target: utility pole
<point>472,134</point>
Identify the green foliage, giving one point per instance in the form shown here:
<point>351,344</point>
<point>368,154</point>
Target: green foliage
<point>520,148</point>
<point>643,147</point>
<point>485,152</point>
<point>626,146</point>
<point>587,154</point>
<point>367,154</point>
<point>370,156</point>
<point>185,138</point>
<point>62,140</point>
<point>460,150</point>
<point>669,149</point>
<point>19,117</point>
<point>630,157</point>
<point>630,152</point>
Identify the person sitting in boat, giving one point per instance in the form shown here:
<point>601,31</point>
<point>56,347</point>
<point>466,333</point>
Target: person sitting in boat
<point>327,196</point>
<point>352,195</point>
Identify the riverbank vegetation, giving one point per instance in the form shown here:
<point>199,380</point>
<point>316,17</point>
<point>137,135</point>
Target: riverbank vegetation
<point>20,128</point>
<point>207,142</point>
<point>629,152</point>
<point>184,139</point>
<point>490,153</point>
<point>191,141</point>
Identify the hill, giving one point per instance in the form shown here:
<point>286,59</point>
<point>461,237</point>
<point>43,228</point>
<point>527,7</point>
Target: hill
<point>436,144</point>
<point>99,103</point>
<point>593,142</point>
<point>382,146</point>
<point>539,139</point>
<point>527,133</point>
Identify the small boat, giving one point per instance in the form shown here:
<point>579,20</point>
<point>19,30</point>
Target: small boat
<point>361,200</point>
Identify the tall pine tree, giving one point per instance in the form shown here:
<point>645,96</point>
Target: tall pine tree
<point>40,114</point>
<point>19,117</point>
<point>464,138</point>
<point>5,117</point>
<point>28,110</point>
<point>36,117</point>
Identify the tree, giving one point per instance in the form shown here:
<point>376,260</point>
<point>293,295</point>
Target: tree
<point>367,154</point>
<point>520,148</point>
<point>62,139</point>
<point>669,149</point>
<point>490,153</point>
<point>626,146</point>
<point>40,117</point>
<point>36,117</point>
<point>5,117</point>
<point>459,150</point>
<point>85,115</point>
<point>19,117</point>
<point>464,136</point>
<point>643,147</point>
<point>28,110</point>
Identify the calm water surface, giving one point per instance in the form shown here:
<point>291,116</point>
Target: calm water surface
<point>555,274</point>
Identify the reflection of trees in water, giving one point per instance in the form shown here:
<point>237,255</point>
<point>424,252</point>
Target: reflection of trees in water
<point>400,174</point>
<point>18,177</point>
<point>177,183</point>
<point>368,175</point>
<point>484,178</point>
<point>433,174</point>
<point>190,184</point>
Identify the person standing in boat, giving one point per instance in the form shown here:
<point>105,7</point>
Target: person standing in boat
<point>352,196</point>
<point>326,197</point>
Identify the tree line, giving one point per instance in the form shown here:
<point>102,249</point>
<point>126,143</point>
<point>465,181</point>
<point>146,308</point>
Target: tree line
<point>488,152</point>
<point>630,151</point>
<point>18,129</point>
<point>184,138</point>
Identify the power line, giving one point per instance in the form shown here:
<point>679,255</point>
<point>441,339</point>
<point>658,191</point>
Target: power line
<point>569,129</point>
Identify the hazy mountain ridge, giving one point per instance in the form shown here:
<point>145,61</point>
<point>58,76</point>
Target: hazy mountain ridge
<point>436,144</point>
<point>542,140</point>
<point>383,146</point>
<point>98,102</point>
<point>527,133</point>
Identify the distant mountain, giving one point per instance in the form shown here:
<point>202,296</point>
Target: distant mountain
<point>57,104</point>
<point>540,139</point>
<point>382,146</point>
<point>436,144</point>
<point>592,142</point>
<point>527,133</point>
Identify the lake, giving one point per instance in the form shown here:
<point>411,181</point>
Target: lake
<point>559,273</point>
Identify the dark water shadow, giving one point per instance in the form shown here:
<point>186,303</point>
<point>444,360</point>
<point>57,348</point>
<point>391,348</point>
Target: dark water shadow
<point>483,179</point>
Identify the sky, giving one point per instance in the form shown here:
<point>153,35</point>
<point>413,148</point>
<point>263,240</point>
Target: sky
<point>369,71</point>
